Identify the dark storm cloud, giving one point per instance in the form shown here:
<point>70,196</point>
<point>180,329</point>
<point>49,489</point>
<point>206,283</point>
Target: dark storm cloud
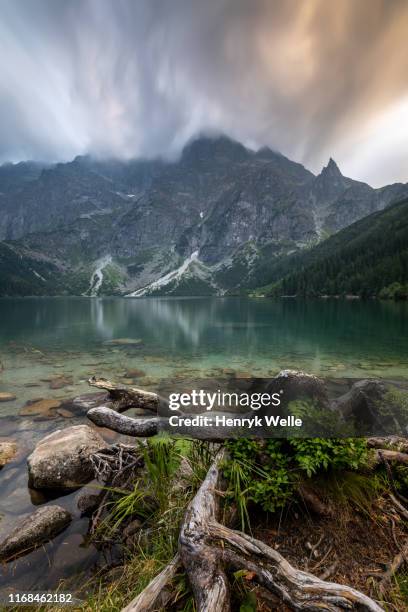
<point>126,78</point>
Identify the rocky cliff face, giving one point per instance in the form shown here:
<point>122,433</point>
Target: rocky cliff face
<point>207,223</point>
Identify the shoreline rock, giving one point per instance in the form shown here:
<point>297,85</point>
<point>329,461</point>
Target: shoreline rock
<point>33,530</point>
<point>62,459</point>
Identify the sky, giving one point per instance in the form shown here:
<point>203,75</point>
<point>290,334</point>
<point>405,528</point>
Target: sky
<point>312,79</point>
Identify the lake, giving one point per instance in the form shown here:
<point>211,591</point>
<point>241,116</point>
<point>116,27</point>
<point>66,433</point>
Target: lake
<point>44,340</point>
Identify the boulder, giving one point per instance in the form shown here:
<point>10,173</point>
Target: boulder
<point>295,385</point>
<point>7,452</point>
<point>62,459</point>
<point>32,531</point>
<point>373,407</point>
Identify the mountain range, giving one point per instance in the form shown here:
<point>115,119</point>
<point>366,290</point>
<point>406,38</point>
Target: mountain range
<point>215,221</point>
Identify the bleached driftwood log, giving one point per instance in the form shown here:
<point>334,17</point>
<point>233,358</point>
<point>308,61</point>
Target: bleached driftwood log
<point>123,398</point>
<point>208,550</point>
<point>103,416</point>
<point>154,596</point>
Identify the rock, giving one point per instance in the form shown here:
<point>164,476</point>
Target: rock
<point>7,452</point>
<point>43,407</point>
<point>88,502</point>
<point>7,397</point>
<point>66,414</point>
<point>37,528</point>
<point>295,385</point>
<point>62,459</point>
<point>127,381</point>
<point>368,405</point>
<point>134,373</point>
<point>61,381</point>
<point>124,342</point>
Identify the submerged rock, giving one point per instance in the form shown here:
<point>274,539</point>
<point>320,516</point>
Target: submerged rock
<point>7,397</point>
<point>43,407</point>
<point>37,528</point>
<point>135,373</point>
<point>7,452</point>
<point>59,382</point>
<point>124,342</point>
<point>62,459</point>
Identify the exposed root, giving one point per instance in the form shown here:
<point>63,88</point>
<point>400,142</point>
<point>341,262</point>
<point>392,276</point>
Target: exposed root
<point>124,398</point>
<point>313,501</point>
<point>394,566</point>
<point>391,455</point>
<point>115,462</point>
<point>399,507</point>
<point>391,442</point>
<point>106,417</point>
<point>154,596</point>
<point>206,548</point>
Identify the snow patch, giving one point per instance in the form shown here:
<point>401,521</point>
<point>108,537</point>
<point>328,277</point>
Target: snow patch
<point>97,276</point>
<point>175,275</point>
<point>39,276</point>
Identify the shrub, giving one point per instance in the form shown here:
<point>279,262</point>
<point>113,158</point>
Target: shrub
<point>267,472</point>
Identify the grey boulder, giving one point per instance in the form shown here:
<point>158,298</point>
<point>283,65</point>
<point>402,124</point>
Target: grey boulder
<point>32,531</point>
<point>62,459</point>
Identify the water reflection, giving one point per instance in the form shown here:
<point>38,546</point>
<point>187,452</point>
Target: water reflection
<point>227,325</point>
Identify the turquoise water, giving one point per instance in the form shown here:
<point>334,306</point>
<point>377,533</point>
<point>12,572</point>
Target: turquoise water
<point>45,337</point>
<point>156,341</point>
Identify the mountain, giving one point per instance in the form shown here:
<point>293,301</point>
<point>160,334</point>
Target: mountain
<point>368,258</point>
<point>212,222</point>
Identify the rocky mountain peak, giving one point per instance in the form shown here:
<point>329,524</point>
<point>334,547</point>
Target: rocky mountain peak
<point>331,169</point>
<point>214,148</point>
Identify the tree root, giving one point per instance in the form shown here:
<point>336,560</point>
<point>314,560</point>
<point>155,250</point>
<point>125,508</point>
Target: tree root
<point>123,398</point>
<point>393,567</point>
<point>391,442</point>
<point>129,426</point>
<point>115,462</point>
<point>391,455</point>
<point>208,549</point>
<point>154,597</point>
<point>399,507</point>
<point>313,501</point>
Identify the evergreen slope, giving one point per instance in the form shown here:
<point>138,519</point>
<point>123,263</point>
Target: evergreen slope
<point>367,258</point>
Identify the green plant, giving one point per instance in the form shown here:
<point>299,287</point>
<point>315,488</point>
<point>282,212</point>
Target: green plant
<point>267,472</point>
<point>315,454</point>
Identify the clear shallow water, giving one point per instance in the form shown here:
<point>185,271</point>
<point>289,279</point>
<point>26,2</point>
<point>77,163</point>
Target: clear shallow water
<point>44,338</point>
<point>40,338</point>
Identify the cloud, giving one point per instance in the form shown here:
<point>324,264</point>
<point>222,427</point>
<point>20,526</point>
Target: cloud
<point>127,78</point>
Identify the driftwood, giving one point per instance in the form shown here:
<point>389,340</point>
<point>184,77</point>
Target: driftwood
<point>389,442</point>
<point>129,426</point>
<point>384,454</point>
<point>208,549</point>
<point>123,398</point>
<point>151,598</point>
